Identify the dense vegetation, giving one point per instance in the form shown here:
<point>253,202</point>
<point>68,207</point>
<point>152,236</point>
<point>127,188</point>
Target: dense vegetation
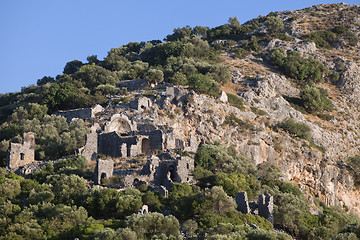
<point>294,66</point>
<point>55,203</point>
<point>329,38</point>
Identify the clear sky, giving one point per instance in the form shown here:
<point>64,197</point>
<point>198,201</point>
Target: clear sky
<point>38,37</point>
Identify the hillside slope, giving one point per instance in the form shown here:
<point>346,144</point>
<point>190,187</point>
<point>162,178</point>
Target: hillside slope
<point>236,101</point>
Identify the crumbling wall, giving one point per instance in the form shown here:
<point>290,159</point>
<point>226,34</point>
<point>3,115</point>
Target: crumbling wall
<point>264,207</point>
<point>161,172</point>
<point>112,144</point>
<point>176,94</point>
<point>20,154</point>
<point>141,103</point>
<point>132,85</point>
<point>242,202</point>
<point>83,113</point>
<point>184,167</point>
<point>104,169</point>
<point>90,149</point>
<point>156,139</point>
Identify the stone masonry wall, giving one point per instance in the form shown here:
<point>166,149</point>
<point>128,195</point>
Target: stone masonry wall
<point>104,169</point>
<point>20,154</point>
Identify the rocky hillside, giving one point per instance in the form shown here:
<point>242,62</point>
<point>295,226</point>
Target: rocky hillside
<point>282,89</point>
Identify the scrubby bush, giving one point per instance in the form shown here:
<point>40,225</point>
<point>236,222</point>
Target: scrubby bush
<point>294,128</point>
<point>155,76</point>
<point>179,79</point>
<point>315,99</point>
<point>107,89</point>
<point>328,38</point>
<point>235,101</point>
<point>148,225</point>
<point>294,66</point>
<point>274,24</point>
<point>110,203</point>
<point>215,157</point>
<point>204,84</point>
<point>237,122</point>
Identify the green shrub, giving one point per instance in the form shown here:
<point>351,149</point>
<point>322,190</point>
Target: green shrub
<point>237,122</point>
<point>258,111</point>
<point>323,116</point>
<point>215,157</point>
<point>296,129</point>
<point>235,101</point>
<point>315,99</point>
<point>204,84</point>
<point>299,68</point>
<point>274,24</point>
<point>327,39</point>
<point>179,79</point>
<point>323,39</point>
<point>240,52</point>
<point>333,76</point>
<point>148,225</point>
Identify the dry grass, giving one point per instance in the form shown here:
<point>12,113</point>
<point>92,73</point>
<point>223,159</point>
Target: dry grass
<point>249,66</point>
<point>230,88</point>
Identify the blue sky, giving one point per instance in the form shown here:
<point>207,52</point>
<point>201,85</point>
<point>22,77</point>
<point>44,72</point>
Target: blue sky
<point>39,37</point>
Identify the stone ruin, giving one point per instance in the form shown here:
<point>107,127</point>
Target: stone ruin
<point>160,174</point>
<point>121,137</point>
<point>141,104</point>
<point>104,169</point>
<point>20,154</point>
<point>132,85</point>
<point>83,113</point>
<point>144,209</point>
<point>264,206</point>
<point>163,173</point>
<point>90,149</point>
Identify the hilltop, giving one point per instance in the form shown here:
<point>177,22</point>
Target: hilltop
<point>194,128</point>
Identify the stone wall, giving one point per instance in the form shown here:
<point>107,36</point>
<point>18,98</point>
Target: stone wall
<point>162,172</point>
<point>84,113</point>
<point>264,206</point>
<point>132,85</point>
<point>141,103</point>
<point>104,169</point>
<point>20,154</point>
<point>89,151</point>
<point>112,144</point>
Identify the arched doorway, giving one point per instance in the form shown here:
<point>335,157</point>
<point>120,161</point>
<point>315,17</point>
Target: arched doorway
<point>102,177</point>
<point>145,146</point>
<point>172,173</point>
<point>136,182</point>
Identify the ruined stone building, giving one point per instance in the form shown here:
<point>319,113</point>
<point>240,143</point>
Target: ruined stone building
<point>20,154</point>
<point>84,113</point>
<point>156,172</point>
<point>132,85</point>
<point>161,172</point>
<point>121,137</point>
<point>104,169</point>
<point>263,207</point>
